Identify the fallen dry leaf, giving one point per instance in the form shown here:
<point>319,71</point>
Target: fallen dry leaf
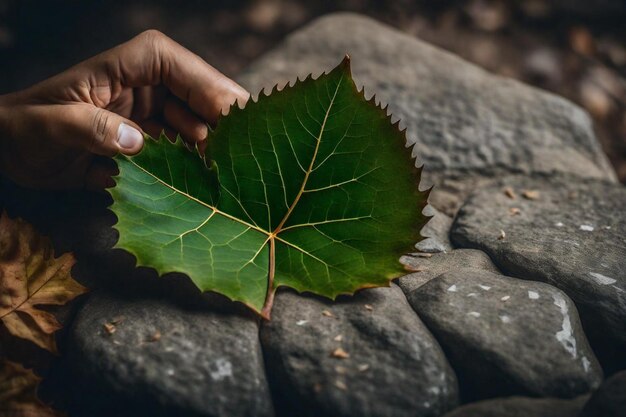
<point>339,353</point>
<point>338,338</point>
<point>341,385</point>
<point>514,211</point>
<point>18,393</point>
<point>368,307</point>
<point>327,313</point>
<point>31,276</point>
<point>110,328</point>
<point>508,191</point>
<point>530,194</point>
<point>502,235</point>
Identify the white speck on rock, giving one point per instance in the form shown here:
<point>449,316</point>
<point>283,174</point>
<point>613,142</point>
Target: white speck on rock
<point>533,295</point>
<point>602,279</point>
<point>301,322</point>
<point>472,294</point>
<point>559,224</point>
<point>485,287</point>
<point>505,319</point>
<point>474,313</point>
<point>223,369</point>
<point>506,297</point>
<point>566,335</point>
<point>586,363</point>
<point>170,372</point>
<point>426,404</point>
<point>434,390</point>
<point>452,288</point>
<point>586,227</point>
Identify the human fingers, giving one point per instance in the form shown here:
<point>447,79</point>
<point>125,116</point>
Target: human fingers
<point>152,58</point>
<point>181,119</point>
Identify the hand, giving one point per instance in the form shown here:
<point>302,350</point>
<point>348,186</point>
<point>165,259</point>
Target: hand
<point>49,133</point>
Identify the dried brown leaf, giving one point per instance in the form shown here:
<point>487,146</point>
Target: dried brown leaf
<point>339,353</point>
<point>530,194</point>
<point>30,276</point>
<point>18,393</point>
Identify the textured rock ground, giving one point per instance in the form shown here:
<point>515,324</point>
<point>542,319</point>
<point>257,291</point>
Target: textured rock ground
<point>428,266</point>
<point>392,365</point>
<point>573,236</point>
<point>609,400</point>
<point>463,119</point>
<point>521,407</point>
<point>522,337</point>
<point>156,359</point>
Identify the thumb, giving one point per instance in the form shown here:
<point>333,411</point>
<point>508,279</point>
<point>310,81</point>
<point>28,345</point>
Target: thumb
<point>99,131</point>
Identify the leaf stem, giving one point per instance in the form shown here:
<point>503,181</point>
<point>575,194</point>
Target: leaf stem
<point>269,300</point>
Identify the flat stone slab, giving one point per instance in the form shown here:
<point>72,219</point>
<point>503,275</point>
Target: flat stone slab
<point>466,123</point>
<point>508,336</point>
<point>521,407</point>
<point>369,355</point>
<point>571,235</point>
<point>609,400</point>
<point>428,266</point>
<point>159,359</point>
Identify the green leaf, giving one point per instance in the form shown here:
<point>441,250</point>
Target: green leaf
<point>311,187</point>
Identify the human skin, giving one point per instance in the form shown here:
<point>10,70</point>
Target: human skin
<point>58,133</point>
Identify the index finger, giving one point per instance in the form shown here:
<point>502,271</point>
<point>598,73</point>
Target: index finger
<point>152,58</point>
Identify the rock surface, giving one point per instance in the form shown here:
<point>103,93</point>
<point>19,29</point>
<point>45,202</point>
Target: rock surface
<point>429,266</point>
<point>463,119</point>
<point>159,359</point>
<point>508,336</point>
<point>521,407</point>
<point>573,236</point>
<point>436,232</point>
<point>609,400</point>
<point>395,367</point>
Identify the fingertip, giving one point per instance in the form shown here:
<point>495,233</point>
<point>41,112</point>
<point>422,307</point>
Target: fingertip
<point>129,139</point>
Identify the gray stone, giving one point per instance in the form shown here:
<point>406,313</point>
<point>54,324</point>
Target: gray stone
<point>395,367</point>
<point>468,125</point>
<point>573,237</point>
<point>508,336</point>
<point>436,232</point>
<point>521,407</point>
<point>429,266</point>
<point>165,360</point>
<point>609,400</point>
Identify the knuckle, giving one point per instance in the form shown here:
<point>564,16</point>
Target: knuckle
<point>153,38</point>
<point>101,128</point>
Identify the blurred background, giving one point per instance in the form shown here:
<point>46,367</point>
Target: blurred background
<point>575,48</point>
